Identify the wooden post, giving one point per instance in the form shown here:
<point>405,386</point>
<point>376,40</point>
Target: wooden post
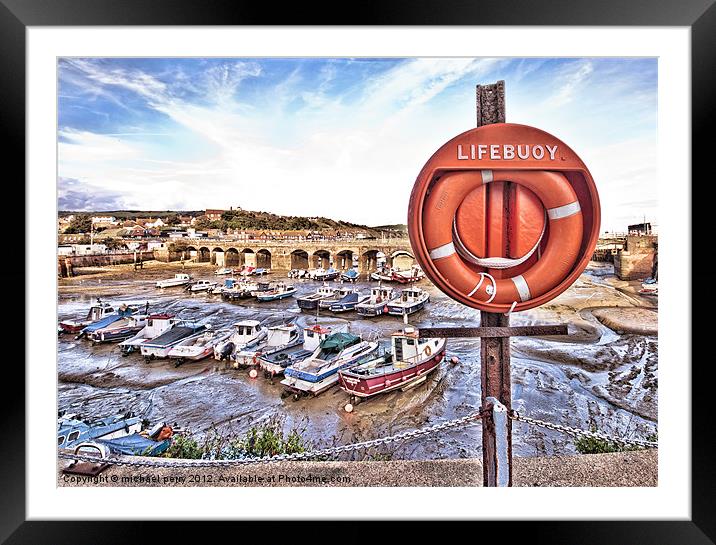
<point>494,351</point>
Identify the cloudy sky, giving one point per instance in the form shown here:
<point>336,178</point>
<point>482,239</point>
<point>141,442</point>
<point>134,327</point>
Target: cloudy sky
<point>343,138</point>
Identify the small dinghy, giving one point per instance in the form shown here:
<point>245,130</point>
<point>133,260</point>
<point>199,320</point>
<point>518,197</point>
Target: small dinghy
<point>319,372</point>
<point>281,291</point>
<point>351,275</point>
<point>72,430</point>
<point>180,279</point>
<point>96,312</point>
<point>260,271</point>
<point>411,300</point>
<point>244,334</point>
<point>650,286</point>
<point>310,302</point>
<point>246,270</point>
<point>201,285</point>
<point>410,360</point>
<point>196,348</point>
<point>383,274</point>
<point>122,312</point>
<point>348,302</point>
<point>414,274</point>
<point>119,330</point>
<point>155,326</point>
<point>220,289</point>
<point>160,346</point>
<point>326,274</point>
<point>279,337</point>
<point>223,271</point>
<point>274,363</point>
<point>377,303</point>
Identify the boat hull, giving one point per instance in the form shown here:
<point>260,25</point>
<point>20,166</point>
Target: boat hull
<point>365,387</point>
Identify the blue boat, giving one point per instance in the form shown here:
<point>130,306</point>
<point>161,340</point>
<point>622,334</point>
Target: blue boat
<point>326,274</point>
<point>351,275</point>
<point>348,302</point>
<point>136,445</point>
<point>71,430</point>
<point>122,312</point>
<point>281,291</point>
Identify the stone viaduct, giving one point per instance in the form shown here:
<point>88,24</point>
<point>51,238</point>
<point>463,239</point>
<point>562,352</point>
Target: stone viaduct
<point>292,254</point>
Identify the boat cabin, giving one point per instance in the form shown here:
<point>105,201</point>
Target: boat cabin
<point>99,311</point>
<point>280,335</point>
<point>314,335</point>
<point>325,290</point>
<point>182,276</point>
<point>411,294</point>
<point>380,294</point>
<point>246,330</point>
<point>408,347</point>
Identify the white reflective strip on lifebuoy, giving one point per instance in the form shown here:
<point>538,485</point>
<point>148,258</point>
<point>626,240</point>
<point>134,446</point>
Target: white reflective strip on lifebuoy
<point>486,176</point>
<point>522,288</point>
<point>446,250</point>
<point>564,211</point>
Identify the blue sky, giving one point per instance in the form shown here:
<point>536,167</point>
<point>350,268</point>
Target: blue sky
<point>343,138</point>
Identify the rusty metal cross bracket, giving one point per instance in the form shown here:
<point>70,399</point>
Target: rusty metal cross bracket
<point>494,331</point>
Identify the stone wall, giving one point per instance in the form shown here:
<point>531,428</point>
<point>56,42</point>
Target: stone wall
<point>67,265</point>
<point>636,260</point>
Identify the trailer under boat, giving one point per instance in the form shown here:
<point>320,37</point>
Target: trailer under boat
<point>408,364</point>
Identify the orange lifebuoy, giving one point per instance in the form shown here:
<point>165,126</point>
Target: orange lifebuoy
<point>428,351</point>
<point>503,234</point>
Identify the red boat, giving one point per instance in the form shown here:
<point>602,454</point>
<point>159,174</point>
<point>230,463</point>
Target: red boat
<point>409,362</point>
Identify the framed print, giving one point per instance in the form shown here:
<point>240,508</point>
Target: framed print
<point>358,270</point>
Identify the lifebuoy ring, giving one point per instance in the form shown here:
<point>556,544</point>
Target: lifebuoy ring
<point>556,261</point>
<point>428,351</point>
<point>504,217</point>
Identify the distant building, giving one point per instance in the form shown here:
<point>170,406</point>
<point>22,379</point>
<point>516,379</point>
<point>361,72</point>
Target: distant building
<point>213,215</point>
<point>81,249</point>
<point>104,221</point>
<point>645,228</point>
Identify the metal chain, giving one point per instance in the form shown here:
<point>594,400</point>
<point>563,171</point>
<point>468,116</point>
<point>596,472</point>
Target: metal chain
<point>576,432</point>
<point>326,452</point>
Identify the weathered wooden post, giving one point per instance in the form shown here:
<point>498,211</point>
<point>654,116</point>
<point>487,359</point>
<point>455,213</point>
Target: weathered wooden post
<point>502,218</point>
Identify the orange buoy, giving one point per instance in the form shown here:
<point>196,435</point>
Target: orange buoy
<point>504,217</point>
<point>253,373</point>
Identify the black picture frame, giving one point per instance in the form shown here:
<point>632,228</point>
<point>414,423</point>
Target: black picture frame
<point>699,15</point>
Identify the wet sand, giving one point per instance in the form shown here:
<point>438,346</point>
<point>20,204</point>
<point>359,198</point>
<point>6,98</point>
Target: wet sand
<point>603,374</point>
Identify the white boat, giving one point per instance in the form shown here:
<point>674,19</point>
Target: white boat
<point>223,270</point>
<point>650,286</point>
<point>274,363</point>
<point>245,333</point>
<point>281,291</point>
<point>196,348</point>
<point>383,274</point>
<point>180,279</point>
<point>411,300</point>
<point>156,325</point>
<point>278,338</point>
<point>320,371</point>
<point>339,294</point>
<point>160,346</point>
<point>414,274</point>
<point>221,289</point>
<point>201,285</point>
<point>310,302</point>
<point>377,304</point>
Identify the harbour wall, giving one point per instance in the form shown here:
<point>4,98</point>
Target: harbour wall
<point>67,265</point>
<point>638,259</point>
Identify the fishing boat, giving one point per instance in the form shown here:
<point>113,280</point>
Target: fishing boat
<point>650,286</point>
<point>96,312</point>
<point>245,333</point>
<point>281,291</point>
<point>160,346</point>
<point>122,312</point>
<point>120,330</point>
<point>383,274</point>
<point>319,371</point>
<point>377,303</point>
<point>195,348</point>
<point>339,294</point>
<point>310,302</point>
<point>201,285</point>
<point>278,338</point>
<point>326,274</point>
<point>220,289</point>
<point>297,273</point>
<point>143,443</point>
<point>351,275</point>
<point>155,326</point>
<point>411,300</point>
<point>223,271</point>
<point>72,429</point>
<point>240,290</point>
<point>348,302</point>
<point>413,274</point>
<point>180,279</point>
<point>259,288</point>
<point>260,271</point>
<point>275,362</point>
<point>408,363</point>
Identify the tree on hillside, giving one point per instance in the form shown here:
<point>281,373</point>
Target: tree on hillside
<point>81,223</point>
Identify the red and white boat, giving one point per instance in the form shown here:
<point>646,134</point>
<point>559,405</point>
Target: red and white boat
<point>96,312</point>
<point>410,361</point>
<point>414,274</point>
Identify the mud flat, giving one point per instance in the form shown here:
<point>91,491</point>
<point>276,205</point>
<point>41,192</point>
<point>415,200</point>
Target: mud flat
<point>643,321</point>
